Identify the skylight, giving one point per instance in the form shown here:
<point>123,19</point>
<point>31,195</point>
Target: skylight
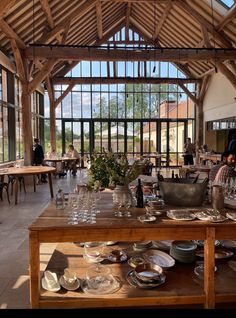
<point>226,3</point>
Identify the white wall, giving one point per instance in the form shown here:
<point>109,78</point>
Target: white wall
<point>219,101</point>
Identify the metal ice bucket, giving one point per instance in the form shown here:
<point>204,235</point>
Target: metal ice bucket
<point>184,193</point>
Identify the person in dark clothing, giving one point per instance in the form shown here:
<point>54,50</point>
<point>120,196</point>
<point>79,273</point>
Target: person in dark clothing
<point>38,157</point>
<point>232,144</point>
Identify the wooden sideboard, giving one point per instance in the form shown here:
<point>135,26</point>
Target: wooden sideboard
<point>180,287</point>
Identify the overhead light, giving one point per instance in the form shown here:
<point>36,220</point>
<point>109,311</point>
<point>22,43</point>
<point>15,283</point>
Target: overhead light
<point>154,69</point>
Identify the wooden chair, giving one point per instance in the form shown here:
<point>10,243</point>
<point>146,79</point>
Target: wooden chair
<point>4,185</point>
<point>12,180</point>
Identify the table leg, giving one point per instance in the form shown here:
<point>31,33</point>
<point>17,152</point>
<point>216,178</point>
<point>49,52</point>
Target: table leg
<point>209,268</point>
<point>34,268</point>
<point>50,183</point>
<point>34,181</point>
<point>16,189</point>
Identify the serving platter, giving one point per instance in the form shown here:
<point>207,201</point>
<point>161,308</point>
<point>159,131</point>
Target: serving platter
<point>159,258</point>
<point>181,215</point>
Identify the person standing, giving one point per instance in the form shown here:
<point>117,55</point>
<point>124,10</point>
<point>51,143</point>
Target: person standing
<point>189,150</point>
<point>38,157</point>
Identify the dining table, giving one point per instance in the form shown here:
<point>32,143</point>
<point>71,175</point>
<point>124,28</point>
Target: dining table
<point>26,171</point>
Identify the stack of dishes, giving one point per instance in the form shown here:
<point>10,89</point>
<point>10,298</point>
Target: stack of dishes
<point>183,251</point>
<point>142,245</point>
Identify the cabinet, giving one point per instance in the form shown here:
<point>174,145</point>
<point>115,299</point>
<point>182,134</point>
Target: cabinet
<point>180,287</point>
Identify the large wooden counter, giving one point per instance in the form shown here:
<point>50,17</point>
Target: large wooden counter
<point>180,287</point>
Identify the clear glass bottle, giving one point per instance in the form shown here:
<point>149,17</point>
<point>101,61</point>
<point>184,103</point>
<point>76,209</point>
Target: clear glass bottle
<point>60,200</point>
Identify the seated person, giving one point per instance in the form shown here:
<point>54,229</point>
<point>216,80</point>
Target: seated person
<point>73,153</point>
<point>225,169</point>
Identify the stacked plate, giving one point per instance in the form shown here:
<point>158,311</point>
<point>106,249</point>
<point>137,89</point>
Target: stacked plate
<point>183,251</point>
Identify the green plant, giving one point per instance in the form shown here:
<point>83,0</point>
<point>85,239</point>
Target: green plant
<point>109,169</point>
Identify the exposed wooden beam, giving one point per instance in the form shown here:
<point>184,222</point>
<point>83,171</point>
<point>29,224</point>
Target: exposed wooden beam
<point>117,54</point>
<point>189,94</point>
<point>137,1</point>
<point>18,59</point>
<point>83,8</point>
<point>203,88</point>
<point>181,67</point>
<point>47,11</point>
<point>6,5</point>
<point>205,36</point>
<point>127,21</point>
<point>121,80</point>
<point>11,34</point>
<point>163,19</point>
<point>41,75</point>
<point>99,19</point>
<point>233,66</point>
<point>223,39</point>
<point>227,72</point>
<point>231,14</point>
<point>64,94</point>
<point>65,33</point>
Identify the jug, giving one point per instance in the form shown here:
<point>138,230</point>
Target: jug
<point>217,197</point>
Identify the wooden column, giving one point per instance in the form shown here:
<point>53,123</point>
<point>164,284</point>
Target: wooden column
<point>53,127</point>
<point>26,120</point>
<point>199,126</point>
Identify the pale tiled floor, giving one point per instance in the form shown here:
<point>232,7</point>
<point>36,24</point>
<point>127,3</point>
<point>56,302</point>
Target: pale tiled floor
<point>15,219</point>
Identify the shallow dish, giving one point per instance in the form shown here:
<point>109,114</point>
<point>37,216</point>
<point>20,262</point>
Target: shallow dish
<point>148,272</point>
<point>69,286</point>
<point>159,258</point>
<point>184,246</point>
<point>135,282</point>
<point>101,291</point>
<point>219,254</point>
<point>228,243</point>
<point>180,215</point>
<point>117,256</point>
<point>147,218</point>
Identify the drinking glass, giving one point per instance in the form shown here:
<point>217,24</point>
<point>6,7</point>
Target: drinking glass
<point>93,251</point>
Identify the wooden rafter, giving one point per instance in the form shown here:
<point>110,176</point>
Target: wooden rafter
<point>99,19</point>
<point>229,16</point>
<point>64,94</point>
<point>42,74</point>
<point>83,8</point>
<point>137,1</point>
<point>203,88</point>
<point>189,94</point>
<point>123,80</point>
<point>205,36</point>
<point>127,21</point>
<point>19,62</point>
<point>11,34</point>
<point>99,54</point>
<point>65,33</point>
<point>223,39</point>
<point>162,20</point>
<point>6,5</point>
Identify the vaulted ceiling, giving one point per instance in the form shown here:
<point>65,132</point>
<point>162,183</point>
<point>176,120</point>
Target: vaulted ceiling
<point>162,23</point>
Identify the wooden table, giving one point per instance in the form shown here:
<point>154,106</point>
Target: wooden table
<point>29,170</point>
<point>180,287</point>
<point>216,158</point>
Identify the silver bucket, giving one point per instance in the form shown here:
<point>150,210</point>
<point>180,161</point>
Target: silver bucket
<point>184,193</point>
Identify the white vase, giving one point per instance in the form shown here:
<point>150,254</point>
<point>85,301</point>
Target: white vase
<point>122,195</point>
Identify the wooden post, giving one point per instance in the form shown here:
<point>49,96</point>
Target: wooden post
<point>53,127</point>
<point>26,120</point>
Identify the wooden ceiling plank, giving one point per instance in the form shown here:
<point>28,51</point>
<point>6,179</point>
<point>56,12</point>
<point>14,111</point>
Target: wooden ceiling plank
<point>6,5</point>
<point>85,7</point>
<point>11,34</point>
<point>99,19</point>
<point>197,16</point>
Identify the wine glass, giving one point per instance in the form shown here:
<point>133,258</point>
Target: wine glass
<point>73,201</point>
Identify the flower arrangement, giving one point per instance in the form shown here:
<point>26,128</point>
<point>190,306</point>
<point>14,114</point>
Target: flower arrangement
<point>109,169</point>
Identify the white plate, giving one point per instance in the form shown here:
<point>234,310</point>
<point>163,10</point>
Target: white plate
<point>53,288</point>
<point>159,258</point>
<point>69,286</point>
<point>231,215</point>
<point>147,218</point>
